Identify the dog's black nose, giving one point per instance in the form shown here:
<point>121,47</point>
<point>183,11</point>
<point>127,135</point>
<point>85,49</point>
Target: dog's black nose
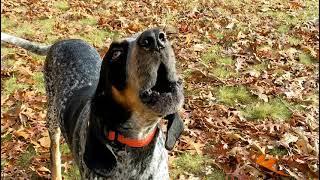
<point>153,39</point>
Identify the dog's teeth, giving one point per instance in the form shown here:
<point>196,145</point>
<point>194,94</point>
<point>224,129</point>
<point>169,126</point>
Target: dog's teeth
<point>149,91</point>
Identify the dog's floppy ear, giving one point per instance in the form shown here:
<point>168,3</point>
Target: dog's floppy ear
<point>104,85</point>
<point>114,64</point>
<point>98,156</point>
<point>174,130</point>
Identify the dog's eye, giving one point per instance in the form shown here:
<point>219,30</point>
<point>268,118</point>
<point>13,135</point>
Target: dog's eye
<point>146,42</point>
<point>116,54</point>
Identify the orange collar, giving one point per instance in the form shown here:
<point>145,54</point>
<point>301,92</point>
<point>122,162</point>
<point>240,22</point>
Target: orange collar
<point>137,143</point>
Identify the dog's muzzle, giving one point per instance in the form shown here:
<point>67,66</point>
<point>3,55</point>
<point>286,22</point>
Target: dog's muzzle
<point>166,95</point>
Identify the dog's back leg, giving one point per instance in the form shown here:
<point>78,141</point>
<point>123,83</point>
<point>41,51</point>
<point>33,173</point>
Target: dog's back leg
<point>54,133</point>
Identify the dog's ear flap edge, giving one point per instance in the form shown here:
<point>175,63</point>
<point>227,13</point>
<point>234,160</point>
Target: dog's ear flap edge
<point>104,85</point>
<point>99,157</point>
<point>174,130</point>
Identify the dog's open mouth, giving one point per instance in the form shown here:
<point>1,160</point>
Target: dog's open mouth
<point>165,96</point>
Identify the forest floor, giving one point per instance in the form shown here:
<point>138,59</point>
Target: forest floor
<point>251,80</point>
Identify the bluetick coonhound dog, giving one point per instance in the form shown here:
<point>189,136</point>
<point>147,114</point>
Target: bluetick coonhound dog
<point>109,110</point>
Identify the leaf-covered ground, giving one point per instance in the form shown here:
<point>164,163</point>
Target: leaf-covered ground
<point>250,70</point>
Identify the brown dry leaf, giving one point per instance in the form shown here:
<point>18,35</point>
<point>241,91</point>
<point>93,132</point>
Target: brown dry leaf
<point>239,63</point>
<point>198,47</point>
<point>197,146</point>
<point>253,73</point>
<point>287,139</point>
<point>43,169</point>
<point>256,146</point>
<point>21,133</point>
<point>24,71</point>
<point>234,136</point>
<point>296,175</point>
<point>23,119</point>
<point>304,146</point>
<point>44,141</point>
<point>170,29</point>
<point>236,151</point>
<point>259,91</point>
<point>241,35</point>
<point>230,25</point>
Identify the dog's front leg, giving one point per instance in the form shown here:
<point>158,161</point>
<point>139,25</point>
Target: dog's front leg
<point>55,156</point>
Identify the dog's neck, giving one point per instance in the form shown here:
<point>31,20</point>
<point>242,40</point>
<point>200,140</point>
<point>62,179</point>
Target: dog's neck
<point>115,117</point>
<point>135,127</point>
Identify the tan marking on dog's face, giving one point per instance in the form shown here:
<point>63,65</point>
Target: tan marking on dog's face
<point>143,117</point>
<point>142,70</point>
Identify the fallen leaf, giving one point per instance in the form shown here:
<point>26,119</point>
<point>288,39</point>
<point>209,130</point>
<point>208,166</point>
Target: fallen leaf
<point>43,169</point>
<point>230,26</point>
<point>23,119</point>
<point>199,47</point>
<point>44,141</point>
<point>287,139</point>
<point>22,133</point>
<point>269,164</point>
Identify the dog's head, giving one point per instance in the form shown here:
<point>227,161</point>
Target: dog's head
<point>138,86</point>
<point>139,74</point>
<point>143,75</point>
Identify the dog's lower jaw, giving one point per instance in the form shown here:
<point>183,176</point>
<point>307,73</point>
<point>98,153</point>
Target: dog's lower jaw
<point>164,103</point>
<point>138,127</point>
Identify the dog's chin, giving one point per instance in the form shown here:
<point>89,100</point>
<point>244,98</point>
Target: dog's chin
<point>163,100</point>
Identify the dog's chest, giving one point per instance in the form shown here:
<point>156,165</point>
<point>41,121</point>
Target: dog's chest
<point>150,165</point>
<point>146,166</point>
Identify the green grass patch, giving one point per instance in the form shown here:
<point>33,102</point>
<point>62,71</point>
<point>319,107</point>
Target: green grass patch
<point>38,58</point>
<point>218,35</point>
<point>212,54</point>
<point>3,163</point>
<point>73,173</point>
<point>26,157</point>
<point>97,37</point>
<point>62,5</point>
<point>88,21</point>
<point>233,95</point>
<point>11,85</point>
<point>294,41</point>
<point>45,25</point>
<point>190,163</point>
<point>260,67</point>
<point>7,23</point>
<point>223,72</point>
<point>39,82</point>
<point>286,19</point>
<point>170,18</point>
<point>305,58</point>
<point>225,61</point>
<point>5,138</point>
<point>65,149</point>
<point>278,151</point>
<point>312,99</point>
<point>196,165</point>
<point>8,54</point>
<point>6,51</point>
<point>25,28</point>
<point>275,109</point>
<point>187,72</point>
<point>283,29</point>
<point>216,174</point>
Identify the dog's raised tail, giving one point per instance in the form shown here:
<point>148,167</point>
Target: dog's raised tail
<point>30,46</point>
